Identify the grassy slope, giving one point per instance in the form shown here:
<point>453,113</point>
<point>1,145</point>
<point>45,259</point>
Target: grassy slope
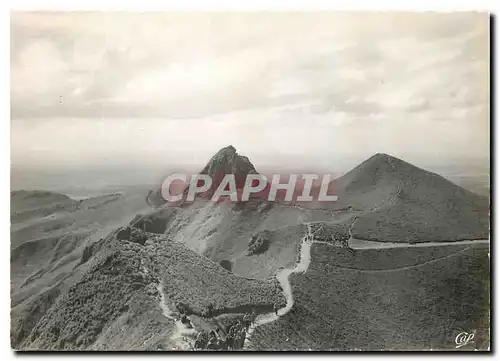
<point>420,307</point>
<point>115,283</point>
<point>406,222</point>
<point>48,234</point>
<point>222,232</point>
<point>407,204</point>
<point>383,259</point>
<point>282,253</point>
<point>197,281</point>
<point>45,246</point>
<point>112,301</point>
<point>283,249</point>
<point>424,209</point>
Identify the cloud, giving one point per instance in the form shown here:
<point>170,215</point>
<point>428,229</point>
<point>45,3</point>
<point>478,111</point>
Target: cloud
<point>314,83</point>
<point>39,71</point>
<point>365,61</point>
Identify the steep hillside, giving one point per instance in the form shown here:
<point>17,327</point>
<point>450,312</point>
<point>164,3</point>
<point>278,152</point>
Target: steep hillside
<point>47,245</point>
<point>117,282</point>
<point>383,199</point>
<point>109,272</point>
<point>383,179</point>
<point>34,258</point>
<point>223,231</point>
<point>404,203</point>
<point>392,299</point>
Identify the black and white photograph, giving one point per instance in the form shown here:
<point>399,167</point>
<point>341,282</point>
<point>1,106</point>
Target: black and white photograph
<point>250,181</point>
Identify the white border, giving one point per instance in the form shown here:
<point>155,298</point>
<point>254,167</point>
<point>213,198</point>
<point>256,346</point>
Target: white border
<point>255,5</point>
<point>185,5</point>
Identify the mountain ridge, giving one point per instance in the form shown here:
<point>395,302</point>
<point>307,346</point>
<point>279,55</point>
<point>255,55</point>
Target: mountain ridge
<point>228,161</point>
<point>405,203</point>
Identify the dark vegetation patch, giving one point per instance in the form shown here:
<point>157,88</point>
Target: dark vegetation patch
<point>259,243</point>
<point>206,287</point>
<point>282,253</point>
<point>155,222</point>
<point>116,280</point>
<point>224,321</point>
<point>336,234</point>
<point>227,265</point>
<point>132,234</point>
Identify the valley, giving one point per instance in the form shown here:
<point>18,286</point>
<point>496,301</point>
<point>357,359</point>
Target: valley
<point>377,270</point>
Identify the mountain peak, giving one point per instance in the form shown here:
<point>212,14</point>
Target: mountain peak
<point>227,161</point>
<point>383,157</point>
<point>384,161</point>
<point>227,150</point>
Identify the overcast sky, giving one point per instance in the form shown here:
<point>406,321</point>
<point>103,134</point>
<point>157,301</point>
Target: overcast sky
<point>112,88</point>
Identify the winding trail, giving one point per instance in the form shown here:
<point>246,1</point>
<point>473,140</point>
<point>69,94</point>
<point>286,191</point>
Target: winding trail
<point>300,267</point>
<point>303,264</point>
<point>182,337</point>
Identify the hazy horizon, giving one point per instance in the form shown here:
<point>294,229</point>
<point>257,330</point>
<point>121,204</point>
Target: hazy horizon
<point>93,180</point>
<point>313,90</point>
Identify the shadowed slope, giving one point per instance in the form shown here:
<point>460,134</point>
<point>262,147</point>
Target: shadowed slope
<point>111,300</point>
<point>404,203</point>
<point>394,302</point>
